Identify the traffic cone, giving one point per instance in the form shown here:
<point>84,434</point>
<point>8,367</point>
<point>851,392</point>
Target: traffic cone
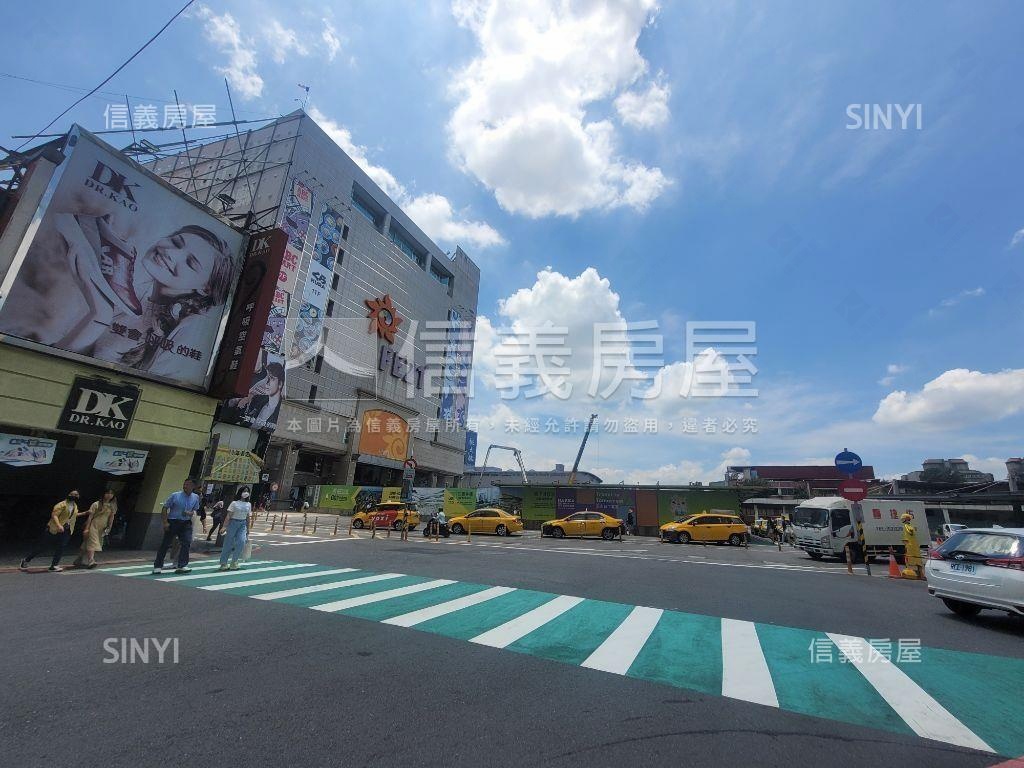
<point>894,569</point>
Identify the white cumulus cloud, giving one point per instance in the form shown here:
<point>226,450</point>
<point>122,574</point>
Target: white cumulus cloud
<point>1018,238</point>
<point>283,41</point>
<point>331,40</point>
<point>645,109</point>
<point>432,212</point>
<point>240,71</point>
<point>957,398</point>
<point>520,124</point>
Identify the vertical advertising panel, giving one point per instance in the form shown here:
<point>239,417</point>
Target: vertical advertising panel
<point>615,501</point>
<point>123,269</point>
<point>246,365</point>
<point>309,324</point>
<point>298,209</point>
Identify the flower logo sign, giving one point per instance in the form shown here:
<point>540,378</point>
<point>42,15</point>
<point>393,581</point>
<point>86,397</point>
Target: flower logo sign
<point>383,318</point>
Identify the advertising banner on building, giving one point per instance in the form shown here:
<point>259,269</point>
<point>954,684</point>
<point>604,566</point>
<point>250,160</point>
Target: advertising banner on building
<point>469,457</point>
<point>21,451</point>
<point>615,501</point>
<point>309,323</point>
<point>341,497</point>
<point>119,461</point>
<point>241,369</point>
<point>122,268</point>
<point>459,501</point>
<point>298,208</point>
<point>676,505</point>
<point>384,434</point>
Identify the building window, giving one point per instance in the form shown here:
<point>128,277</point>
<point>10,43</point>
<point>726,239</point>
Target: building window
<point>406,246</point>
<point>365,204</point>
<point>312,394</point>
<point>440,275</point>
<point>344,232</point>
<point>319,364</point>
<point>334,281</point>
<point>330,306</point>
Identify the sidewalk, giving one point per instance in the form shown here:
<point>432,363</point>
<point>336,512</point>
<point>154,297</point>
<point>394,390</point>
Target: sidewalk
<point>10,559</point>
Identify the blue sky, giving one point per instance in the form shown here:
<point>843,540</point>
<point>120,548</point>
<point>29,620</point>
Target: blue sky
<point>695,157</point>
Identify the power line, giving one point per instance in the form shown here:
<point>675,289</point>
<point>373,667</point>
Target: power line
<point>112,74</point>
<point>78,89</point>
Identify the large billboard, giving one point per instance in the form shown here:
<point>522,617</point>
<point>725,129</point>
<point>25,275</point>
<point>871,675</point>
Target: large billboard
<point>120,267</point>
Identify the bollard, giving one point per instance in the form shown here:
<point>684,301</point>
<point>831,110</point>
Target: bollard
<point>316,519</point>
<point>350,518</point>
<point>469,532</point>
<point>284,523</point>
<point>849,559</point>
<point>274,523</point>
<point>373,528</point>
<point>305,519</point>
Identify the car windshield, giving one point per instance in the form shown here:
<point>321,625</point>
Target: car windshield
<point>811,517</point>
<point>982,545</point>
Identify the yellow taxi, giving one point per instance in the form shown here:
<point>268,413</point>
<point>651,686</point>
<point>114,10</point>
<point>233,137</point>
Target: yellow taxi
<point>361,519</point>
<point>716,527</point>
<point>585,523</point>
<point>486,520</point>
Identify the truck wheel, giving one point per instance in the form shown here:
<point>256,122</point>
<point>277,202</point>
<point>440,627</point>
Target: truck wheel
<point>815,555</point>
<point>961,608</point>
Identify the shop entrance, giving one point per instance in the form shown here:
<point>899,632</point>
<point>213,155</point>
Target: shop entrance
<point>29,494</point>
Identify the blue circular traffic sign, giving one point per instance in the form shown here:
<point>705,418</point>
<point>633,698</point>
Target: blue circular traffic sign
<point>848,462</point>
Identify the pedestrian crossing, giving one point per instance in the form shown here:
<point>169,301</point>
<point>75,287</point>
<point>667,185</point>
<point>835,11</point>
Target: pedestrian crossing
<point>965,699</point>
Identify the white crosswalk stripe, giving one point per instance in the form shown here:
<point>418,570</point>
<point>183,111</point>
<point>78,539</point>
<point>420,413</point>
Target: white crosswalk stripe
<point>202,565</point>
<point>519,627</point>
<point>276,579</point>
<point>923,714</point>
<point>376,597</point>
<point>325,587</point>
<point>745,673</point>
<point>222,574</point>
<point>443,609</point>
<point>622,646</point>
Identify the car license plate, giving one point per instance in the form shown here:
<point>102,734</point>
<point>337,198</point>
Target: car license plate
<point>963,568</point>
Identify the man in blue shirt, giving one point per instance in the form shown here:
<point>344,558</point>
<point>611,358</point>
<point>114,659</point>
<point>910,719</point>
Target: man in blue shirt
<point>177,513</point>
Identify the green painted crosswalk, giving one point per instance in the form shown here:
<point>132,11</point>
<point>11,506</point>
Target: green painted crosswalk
<point>966,699</point>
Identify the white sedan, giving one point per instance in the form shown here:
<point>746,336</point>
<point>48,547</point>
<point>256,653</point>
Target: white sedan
<point>979,568</point>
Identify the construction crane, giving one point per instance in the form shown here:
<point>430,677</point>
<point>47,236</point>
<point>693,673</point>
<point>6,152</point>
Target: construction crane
<point>579,455</point>
<point>519,458</point>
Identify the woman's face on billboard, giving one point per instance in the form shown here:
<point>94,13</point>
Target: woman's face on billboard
<point>181,263</point>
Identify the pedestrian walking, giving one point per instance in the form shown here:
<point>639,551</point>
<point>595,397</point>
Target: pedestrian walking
<point>97,525</point>
<point>630,522</point>
<point>59,528</point>
<point>239,516</point>
<point>217,515</point>
<point>178,511</point>
<point>771,528</point>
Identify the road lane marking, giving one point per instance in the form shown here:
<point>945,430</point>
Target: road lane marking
<point>276,579</point>
<point>221,574</point>
<point>622,646</point>
<point>520,627</point>
<point>925,716</point>
<point>413,618</point>
<point>376,597</point>
<point>745,673</point>
<point>325,587</point>
<point>145,570</point>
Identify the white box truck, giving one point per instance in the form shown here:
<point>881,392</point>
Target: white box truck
<point>824,527</point>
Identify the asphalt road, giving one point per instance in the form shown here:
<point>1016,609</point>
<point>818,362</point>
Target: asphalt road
<point>270,683</point>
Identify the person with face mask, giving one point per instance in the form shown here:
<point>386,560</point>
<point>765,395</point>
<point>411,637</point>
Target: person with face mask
<point>238,515</point>
<point>58,530</point>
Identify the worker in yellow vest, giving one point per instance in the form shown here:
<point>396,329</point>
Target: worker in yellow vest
<point>913,564</point>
